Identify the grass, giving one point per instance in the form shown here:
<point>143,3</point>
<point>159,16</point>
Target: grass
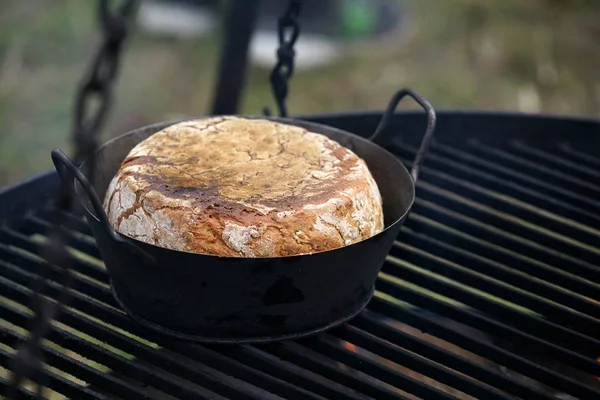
<point>539,55</point>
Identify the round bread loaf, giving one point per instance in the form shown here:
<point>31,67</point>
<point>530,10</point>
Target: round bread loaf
<point>243,187</point>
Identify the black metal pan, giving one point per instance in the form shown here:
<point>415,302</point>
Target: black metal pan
<point>208,298</point>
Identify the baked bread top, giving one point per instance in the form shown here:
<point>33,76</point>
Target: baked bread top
<point>234,186</point>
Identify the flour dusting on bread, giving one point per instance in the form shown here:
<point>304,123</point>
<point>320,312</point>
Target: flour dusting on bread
<point>243,187</point>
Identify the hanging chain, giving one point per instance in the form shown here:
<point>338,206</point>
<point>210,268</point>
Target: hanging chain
<point>97,85</point>
<point>288,30</point>
<point>99,81</point>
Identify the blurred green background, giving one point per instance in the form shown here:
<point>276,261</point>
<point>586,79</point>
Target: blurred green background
<point>530,56</point>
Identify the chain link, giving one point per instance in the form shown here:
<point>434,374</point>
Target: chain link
<point>87,122</point>
<point>288,30</point>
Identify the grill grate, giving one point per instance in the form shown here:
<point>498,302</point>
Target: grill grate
<point>490,291</point>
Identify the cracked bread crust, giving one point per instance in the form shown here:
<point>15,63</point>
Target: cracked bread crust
<point>233,186</point>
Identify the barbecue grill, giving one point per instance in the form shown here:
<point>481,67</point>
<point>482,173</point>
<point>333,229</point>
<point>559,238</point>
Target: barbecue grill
<point>490,291</point>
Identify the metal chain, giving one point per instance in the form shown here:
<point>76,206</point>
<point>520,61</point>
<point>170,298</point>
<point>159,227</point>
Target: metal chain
<point>288,30</point>
<point>98,83</point>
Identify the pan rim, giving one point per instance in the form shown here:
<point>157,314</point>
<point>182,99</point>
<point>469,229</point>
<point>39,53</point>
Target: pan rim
<point>162,125</point>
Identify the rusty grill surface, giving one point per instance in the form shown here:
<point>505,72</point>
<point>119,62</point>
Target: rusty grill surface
<point>489,292</point>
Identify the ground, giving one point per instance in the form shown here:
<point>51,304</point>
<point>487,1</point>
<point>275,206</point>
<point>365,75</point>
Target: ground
<point>534,56</point>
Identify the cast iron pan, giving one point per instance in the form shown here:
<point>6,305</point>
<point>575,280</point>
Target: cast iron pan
<point>207,298</point>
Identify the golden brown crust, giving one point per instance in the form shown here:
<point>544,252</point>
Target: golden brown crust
<point>243,187</point>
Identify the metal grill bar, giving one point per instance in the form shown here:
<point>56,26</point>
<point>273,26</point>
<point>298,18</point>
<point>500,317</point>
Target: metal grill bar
<point>552,175</point>
<point>484,207</point>
<point>409,360</point>
<point>31,225</point>
<point>492,327</point>
<point>318,364</point>
<point>526,246</point>
<point>541,328</point>
<point>70,221</point>
<point>155,377</point>
<point>18,240</point>
<point>59,383</point>
<point>19,275</point>
<point>482,282</point>
<point>506,187</point>
<point>492,353</point>
<point>516,228</point>
<point>4,384</point>
<point>247,372</point>
<point>566,151</point>
<point>520,176</point>
<point>444,357</point>
<point>557,265</point>
<point>554,161</point>
<point>528,267</point>
<point>69,365</point>
<point>327,346</point>
<point>261,360</point>
<point>493,269</point>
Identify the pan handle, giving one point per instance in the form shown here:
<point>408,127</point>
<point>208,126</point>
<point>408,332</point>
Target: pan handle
<point>431,118</point>
<point>67,171</point>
